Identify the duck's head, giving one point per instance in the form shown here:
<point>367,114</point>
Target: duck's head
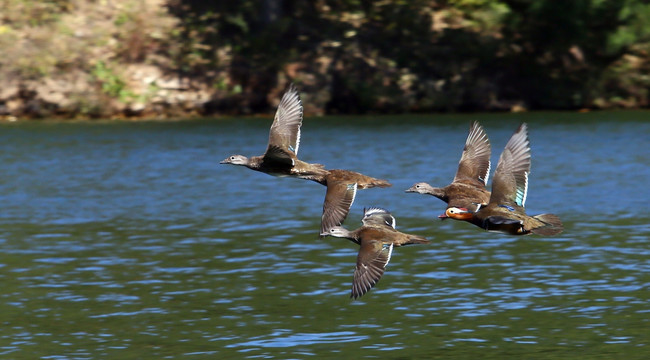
<point>421,187</point>
<point>457,213</point>
<point>336,231</point>
<point>235,160</point>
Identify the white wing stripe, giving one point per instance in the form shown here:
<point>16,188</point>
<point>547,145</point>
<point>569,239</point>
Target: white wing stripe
<point>390,252</point>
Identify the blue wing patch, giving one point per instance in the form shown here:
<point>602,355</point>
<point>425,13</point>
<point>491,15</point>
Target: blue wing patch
<point>521,197</point>
<point>522,190</point>
<point>507,207</point>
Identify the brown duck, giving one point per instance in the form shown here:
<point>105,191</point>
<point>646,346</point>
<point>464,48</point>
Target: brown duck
<point>342,186</point>
<point>281,159</point>
<point>467,190</point>
<point>281,156</point>
<point>376,239</point>
<point>505,211</point>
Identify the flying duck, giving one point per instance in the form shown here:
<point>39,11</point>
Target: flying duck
<point>281,159</point>
<point>342,186</point>
<point>505,211</point>
<point>467,190</point>
<point>281,156</point>
<point>376,238</point>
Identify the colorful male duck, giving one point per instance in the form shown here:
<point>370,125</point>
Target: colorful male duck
<point>467,190</point>
<point>505,211</point>
<point>376,239</point>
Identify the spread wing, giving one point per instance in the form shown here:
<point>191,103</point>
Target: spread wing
<point>284,136</point>
<point>474,165</point>
<point>510,183</point>
<point>372,260</point>
<point>279,157</point>
<point>338,200</point>
<point>378,216</point>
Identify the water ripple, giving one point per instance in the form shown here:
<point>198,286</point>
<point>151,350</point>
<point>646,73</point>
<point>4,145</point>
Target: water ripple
<point>285,338</point>
<point>131,241</point>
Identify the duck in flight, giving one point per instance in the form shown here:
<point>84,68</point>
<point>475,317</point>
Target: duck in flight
<point>376,239</point>
<point>468,189</point>
<point>342,186</point>
<point>281,156</point>
<point>281,159</point>
<point>505,210</point>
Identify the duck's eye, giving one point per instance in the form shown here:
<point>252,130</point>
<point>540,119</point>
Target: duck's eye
<point>232,158</point>
<point>417,186</point>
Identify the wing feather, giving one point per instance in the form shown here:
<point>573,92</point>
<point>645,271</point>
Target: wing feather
<point>338,200</point>
<point>474,165</point>
<point>285,130</point>
<point>378,216</point>
<point>372,260</point>
<point>510,183</point>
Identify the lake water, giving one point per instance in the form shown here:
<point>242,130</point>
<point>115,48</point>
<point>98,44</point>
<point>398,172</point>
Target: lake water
<point>130,241</point>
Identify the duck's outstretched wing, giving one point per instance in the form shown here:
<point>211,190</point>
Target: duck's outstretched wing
<point>510,183</point>
<point>378,216</point>
<point>372,260</point>
<point>284,136</point>
<point>474,165</point>
<point>338,200</point>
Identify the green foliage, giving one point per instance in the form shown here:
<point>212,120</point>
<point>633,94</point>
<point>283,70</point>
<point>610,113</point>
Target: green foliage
<point>360,55</point>
<point>111,83</point>
<point>543,53</point>
<point>635,27</point>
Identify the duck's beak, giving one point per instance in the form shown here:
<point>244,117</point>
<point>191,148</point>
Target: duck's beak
<point>443,217</point>
<point>224,161</point>
<point>323,234</point>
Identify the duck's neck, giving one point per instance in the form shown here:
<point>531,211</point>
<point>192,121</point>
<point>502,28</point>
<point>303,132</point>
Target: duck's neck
<point>439,193</point>
<point>254,162</point>
<point>350,235</point>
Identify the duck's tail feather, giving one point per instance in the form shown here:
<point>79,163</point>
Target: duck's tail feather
<point>379,183</point>
<point>552,225</point>
<point>415,239</point>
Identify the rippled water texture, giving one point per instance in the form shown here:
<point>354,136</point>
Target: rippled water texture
<point>130,241</point>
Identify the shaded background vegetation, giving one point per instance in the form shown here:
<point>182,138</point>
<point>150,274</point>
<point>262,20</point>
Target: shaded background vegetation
<point>347,56</point>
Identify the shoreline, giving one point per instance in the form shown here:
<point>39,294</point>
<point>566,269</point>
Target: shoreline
<point>269,116</point>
